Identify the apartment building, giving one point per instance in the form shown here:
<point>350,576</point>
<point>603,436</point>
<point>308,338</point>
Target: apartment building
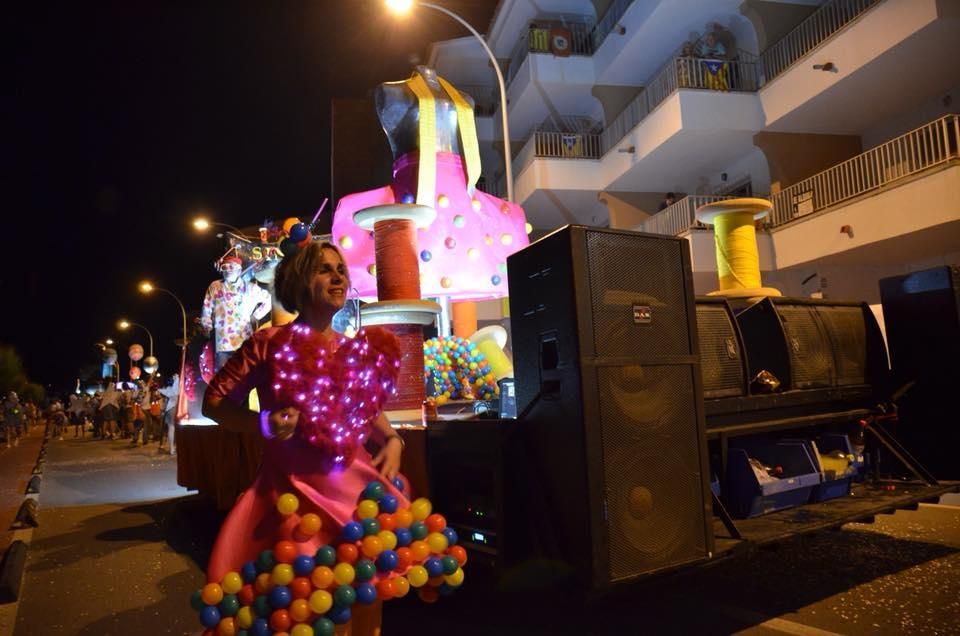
<point>842,112</point>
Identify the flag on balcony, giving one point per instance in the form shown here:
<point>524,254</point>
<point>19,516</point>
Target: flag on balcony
<point>572,145</point>
<point>717,76</point>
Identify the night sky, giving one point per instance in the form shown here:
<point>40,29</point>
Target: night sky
<point>126,118</point>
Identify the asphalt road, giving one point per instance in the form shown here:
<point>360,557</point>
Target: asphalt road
<point>120,547</point>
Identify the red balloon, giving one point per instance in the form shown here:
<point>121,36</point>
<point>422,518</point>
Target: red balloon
<point>285,551</point>
<point>458,553</point>
<point>247,595</point>
<point>428,594</point>
<point>387,521</point>
<point>435,522</point>
<point>280,620</point>
<point>300,587</point>
<point>347,553</point>
<point>385,590</point>
<point>404,559</point>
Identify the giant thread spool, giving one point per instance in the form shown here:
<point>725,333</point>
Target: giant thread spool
<point>738,260</point>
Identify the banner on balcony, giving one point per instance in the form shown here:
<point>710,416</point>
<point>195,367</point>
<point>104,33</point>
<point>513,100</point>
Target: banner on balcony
<point>560,42</point>
<point>572,145</point>
<point>716,77</point>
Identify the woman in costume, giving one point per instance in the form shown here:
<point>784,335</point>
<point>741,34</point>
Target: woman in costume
<point>322,397</point>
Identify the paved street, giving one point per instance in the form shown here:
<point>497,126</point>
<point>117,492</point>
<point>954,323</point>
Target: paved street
<point>120,547</point>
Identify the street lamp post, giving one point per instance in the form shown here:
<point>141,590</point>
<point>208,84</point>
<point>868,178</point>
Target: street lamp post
<point>403,6</point>
<point>126,324</point>
<point>202,224</point>
<point>147,287</point>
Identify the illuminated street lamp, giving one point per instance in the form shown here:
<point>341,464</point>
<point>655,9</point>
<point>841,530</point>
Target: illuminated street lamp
<point>146,287</point>
<point>202,224</point>
<point>126,324</point>
<point>402,7</point>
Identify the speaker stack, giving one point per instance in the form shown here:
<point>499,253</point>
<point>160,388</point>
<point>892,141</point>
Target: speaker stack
<point>610,439</point>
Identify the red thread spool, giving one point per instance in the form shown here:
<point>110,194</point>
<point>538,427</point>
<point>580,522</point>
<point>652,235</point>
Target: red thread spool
<point>398,272</point>
<point>410,393</point>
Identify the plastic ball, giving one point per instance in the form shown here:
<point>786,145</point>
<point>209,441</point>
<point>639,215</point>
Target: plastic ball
<point>437,542</point>
<point>367,509</point>
<point>265,561</point>
<point>345,242</point>
<point>435,522</point>
<point>302,630</point>
<point>421,508</point>
<point>285,551</point>
<point>288,247</point>
<point>287,504</point>
<point>365,570</point>
<point>450,242</point>
<point>212,594</point>
<point>458,553</point>
<point>446,282</point>
<point>374,490</point>
<point>300,587</point>
<point>209,616</point>
<point>310,524</point>
<point>371,546</point>
<point>249,572</point>
<point>387,560</point>
<point>434,566</point>
<point>231,583</point>
<point>450,534</point>
<point>418,576</point>
<point>303,565</point>
<point>370,527</point>
<point>344,574</point>
<point>387,539</point>
<point>264,583</point>
<point>352,531</point>
<point>299,610</point>
<point>347,553</point>
<point>196,600</point>
<point>404,538</point>
<point>419,550</point>
<point>398,483</point>
<point>344,596</point>
<point>445,589</point>
<point>322,577</point>
<point>299,231</point>
<point>408,199</point>
<point>340,615</point>
<point>280,597</point>
<point>387,522</point>
<point>404,559</point>
<point>282,574</point>
<point>388,503</point>
<point>261,606</point>
<point>245,617</point>
<point>425,256</point>
<point>326,555</point>
<point>230,605</point>
<point>443,201</point>
<point>280,620</point>
<point>366,593</point>
<point>401,586</point>
<point>428,594</point>
<point>403,517</point>
<point>321,601</point>
<point>418,530</point>
<point>495,279</point>
<point>288,223</point>
<point>246,594</point>
<point>227,627</point>
<point>385,589</point>
<point>260,627</point>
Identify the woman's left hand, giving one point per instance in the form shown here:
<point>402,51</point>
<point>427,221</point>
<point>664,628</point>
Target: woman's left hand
<point>388,459</point>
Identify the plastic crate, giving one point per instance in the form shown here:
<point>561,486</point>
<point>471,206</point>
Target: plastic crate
<point>747,496</point>
<point>834,481</point>
<point>830,442</point>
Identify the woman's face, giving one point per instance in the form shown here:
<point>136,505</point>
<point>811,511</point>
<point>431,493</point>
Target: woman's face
<point>330,282</point>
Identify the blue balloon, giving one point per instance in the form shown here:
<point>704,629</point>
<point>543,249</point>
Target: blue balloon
<point>209,616</point>
<point>303,565</point>
<point>249,572</point>
<point>495,279</point>
<point>433,565</point>
<point>451,535</point>
<point>388,503</point>
<point>371,526</point>
<point>425,256</point>
<point>398,483</point>
<point>387,560</point>
<point>366,593</point>
<point>280,597</point>
<point>339,614</point>
<point>404,538</point>
<point>260,627</point>
<point>299,231</point>
<point>374,490</point>
<point>352,531</point>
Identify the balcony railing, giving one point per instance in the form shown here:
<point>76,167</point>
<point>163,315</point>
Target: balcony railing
<point>486,99</point>
<point>679,217</point>
<point>609,21</point>
<point>557,145</point>
<point>537,39</point>
<point>928,146</point>
<point>809,34</point>
<point>681,72</point>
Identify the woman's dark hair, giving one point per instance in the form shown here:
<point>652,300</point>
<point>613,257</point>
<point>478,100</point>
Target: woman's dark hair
<point>291,281</point>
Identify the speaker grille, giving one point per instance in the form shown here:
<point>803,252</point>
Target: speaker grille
<point>628,271</point>
<point>651,467</point>
<point>721,360</point>
<point>848,335</point>
<point>811,359</point>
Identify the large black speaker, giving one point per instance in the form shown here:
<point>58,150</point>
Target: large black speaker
<point>609,391</point>
<point>921,313</point>
<point>722,359</point>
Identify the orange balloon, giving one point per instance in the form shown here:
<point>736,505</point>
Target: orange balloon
<point>263,584</point>
<point>299,610</point>
<point>322,577</point>
<point>310,524</point>
<point>289,223</point>
<point>403,518</point>
<point>211,593</point>
<point>420,551</point>
<point>371,546</point>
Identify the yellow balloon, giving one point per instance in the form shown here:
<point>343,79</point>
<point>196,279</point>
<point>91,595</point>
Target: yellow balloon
<point>287,504</point>
<point>344,574</point>
<point>437,542</point>
<point>283,574</point>
<point>321,601</point>
<point>388,539</point>
<point>245,617</point>
<point>421,508</point>
<point>455,579</point>
<point>417,576</point>
<point>231,583</point>
<point>367,509</point>
<point>289,223</point>
<point>301,630</point>
<point>400,586</point>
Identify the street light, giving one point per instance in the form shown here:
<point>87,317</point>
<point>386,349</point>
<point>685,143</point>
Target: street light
<point>146,287</point>
<point>126,324</point>
<point>401,7</point>
<point>202,224</point>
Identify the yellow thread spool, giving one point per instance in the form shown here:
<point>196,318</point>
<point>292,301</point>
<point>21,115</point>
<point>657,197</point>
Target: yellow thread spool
<point>490,341</point>
<point>738,261</point>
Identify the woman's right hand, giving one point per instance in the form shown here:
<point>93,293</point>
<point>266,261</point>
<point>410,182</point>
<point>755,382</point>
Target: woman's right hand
<point>283,422</point>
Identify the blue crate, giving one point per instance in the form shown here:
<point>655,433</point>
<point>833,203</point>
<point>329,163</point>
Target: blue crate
<point>832,484</point>
<point>748,497</point>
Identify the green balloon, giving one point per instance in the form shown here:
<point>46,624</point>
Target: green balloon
<point>196,601</point>
<point>323,626</point>
<point>230,605</point>
<point>344,596</point>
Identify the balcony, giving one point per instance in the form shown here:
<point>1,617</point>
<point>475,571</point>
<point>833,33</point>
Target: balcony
<point>854,64</point>
<point>540,37</point>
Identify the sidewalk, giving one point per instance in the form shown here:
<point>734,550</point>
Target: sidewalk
<point>16,466</point>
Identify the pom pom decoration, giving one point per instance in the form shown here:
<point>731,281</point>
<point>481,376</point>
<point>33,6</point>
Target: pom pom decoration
<point>319,589</point>
<point>339,385</point>
<point>458,370</point>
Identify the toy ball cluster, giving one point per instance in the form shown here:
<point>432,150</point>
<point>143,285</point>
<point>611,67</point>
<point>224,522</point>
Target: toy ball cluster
<point>458,369</point>
<point>382,554</point>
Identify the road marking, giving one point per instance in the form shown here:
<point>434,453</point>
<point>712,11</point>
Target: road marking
<point>777,624</point>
